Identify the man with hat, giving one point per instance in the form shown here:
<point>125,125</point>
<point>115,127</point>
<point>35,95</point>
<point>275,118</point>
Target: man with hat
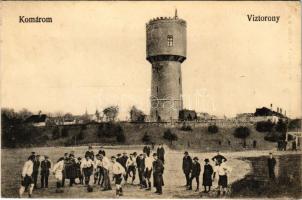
<point>45,168</point>
<point>207,176</point>
<point>187,167</point>
<point>26,176</point>
<point>218,158</point>
<point>71,170</point>
<point>36,170</point>
<point>78,169</point>
<point>195,173</point>
<point>158,170</point>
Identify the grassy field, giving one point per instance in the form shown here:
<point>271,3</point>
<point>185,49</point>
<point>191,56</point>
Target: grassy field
<point>13,159</point>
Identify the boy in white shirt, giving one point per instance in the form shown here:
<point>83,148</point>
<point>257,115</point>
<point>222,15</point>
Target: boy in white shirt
<point>131,167</point>
<point>118,171</point>
<point>58,172</point>
<point>27,180</point>
<point>148,169</point>
<point>222,170</point>
<point>87,168</point>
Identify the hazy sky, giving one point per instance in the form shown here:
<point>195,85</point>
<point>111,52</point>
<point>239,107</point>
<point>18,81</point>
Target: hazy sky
<point>93,55</point>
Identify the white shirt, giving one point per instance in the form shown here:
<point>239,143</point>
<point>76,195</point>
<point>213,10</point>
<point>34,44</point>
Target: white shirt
<point>86,163</point>
<point>58,167</point>
<point>222,169</point>
<point>131,162</point>
<point>106,163</point>
<point>28,168</point>
<point>98,163</point>
<point>149,162</point>
<point>117,168</point>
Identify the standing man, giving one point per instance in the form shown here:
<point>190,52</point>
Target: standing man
<point>218,158</point>
<point>158,168</point>
<point>131,167</point>
<point>36,170</point>
<point>123,161</point>
<point>140,162</point>
<point>195,173</point>
<point>222,170</point>
<point>207,176</point>
<point>187,167</point>
<point>65,159</point>
<point>106,166</point>
<point>87,169</point>
<point>58,169</point>
<point>117,171</point>
<point>79,173</point>
<point>271,163</point>
<point>26,176</point>
<point>161,153</point>
<point>45,168</point>
<point>148,171</point>
<point>71,170</point>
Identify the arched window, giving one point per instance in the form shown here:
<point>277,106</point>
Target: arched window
<point>170,40</point>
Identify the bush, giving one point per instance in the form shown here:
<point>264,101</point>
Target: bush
<point>274,136</point>
<point>80,136</point>
<point>168,135</point>
<point>109,130</point>
<point>294,124</point>
<point>146,138</point>
<point>242,132</point>
<point>186,128</point>
<point>264,126</point>
<point>213,129</point>
<point>281,126</point>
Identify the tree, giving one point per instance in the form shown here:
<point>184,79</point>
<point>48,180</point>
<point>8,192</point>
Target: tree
<point>265,126</point>
<point>168,135</point>
<point>65,132</point>
<point>294,124</point>
<point>213,129</point>
<point>56,133</point>
<point>111,112</point>
<point>242,132</point>
<point>281,126</point>
<point>137,115</point>
<point>24,114</point>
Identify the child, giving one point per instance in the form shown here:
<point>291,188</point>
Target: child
<point>118,171</point>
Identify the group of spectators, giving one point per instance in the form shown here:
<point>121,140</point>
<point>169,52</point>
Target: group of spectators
<point>191,168</point>
<point>96,169</point>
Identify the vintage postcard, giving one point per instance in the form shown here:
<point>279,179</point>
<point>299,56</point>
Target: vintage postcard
<point>151,99</point>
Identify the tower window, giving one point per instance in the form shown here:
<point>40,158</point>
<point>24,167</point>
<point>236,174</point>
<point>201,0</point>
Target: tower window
<point>170,40</point>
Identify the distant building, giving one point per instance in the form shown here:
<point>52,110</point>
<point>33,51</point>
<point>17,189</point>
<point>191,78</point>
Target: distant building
<point>37,120</point>
<point>187,115</point>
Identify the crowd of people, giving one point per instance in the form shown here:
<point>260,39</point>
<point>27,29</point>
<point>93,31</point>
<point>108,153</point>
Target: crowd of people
<point>191,168</point>
<point>95,169</point>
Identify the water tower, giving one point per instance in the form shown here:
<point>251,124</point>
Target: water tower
<point>166,50</point>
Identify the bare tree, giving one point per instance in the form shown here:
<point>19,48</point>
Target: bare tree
<point>111,112</point>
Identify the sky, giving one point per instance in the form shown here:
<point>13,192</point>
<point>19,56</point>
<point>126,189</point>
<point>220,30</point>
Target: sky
<point>93,55</point>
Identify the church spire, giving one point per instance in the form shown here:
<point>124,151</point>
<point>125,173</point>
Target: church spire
<point>176,17</point>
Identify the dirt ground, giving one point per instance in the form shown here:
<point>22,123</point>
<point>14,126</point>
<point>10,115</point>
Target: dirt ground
<point>13,159</point>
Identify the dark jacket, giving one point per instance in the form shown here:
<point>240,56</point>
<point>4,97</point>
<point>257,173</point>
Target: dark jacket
<point>161,153</point>
<point>71,169</point>
<point>219,158</point>
<point>186,164</point>
<point>124,161</point>
<point>36,166</point>
<point>196,169</point>
<point>271,162</point>
<point>45,166</point>
<point>207,175</point>
<point>158,167</point>
<point>140,164</point>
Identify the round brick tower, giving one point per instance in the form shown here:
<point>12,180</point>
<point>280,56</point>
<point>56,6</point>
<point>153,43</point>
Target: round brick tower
<point>166,50</point>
